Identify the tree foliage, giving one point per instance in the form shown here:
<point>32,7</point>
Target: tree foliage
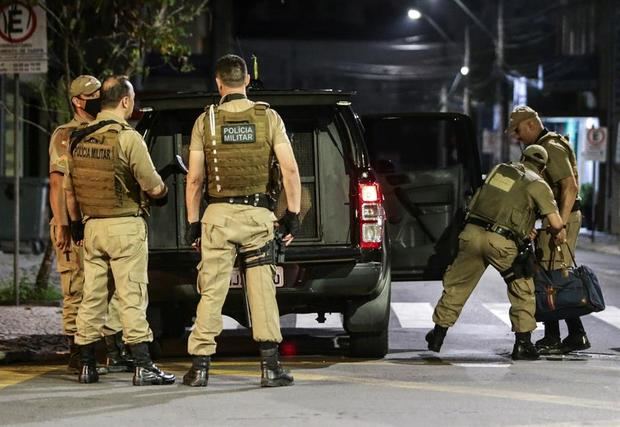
<point>104,37</point>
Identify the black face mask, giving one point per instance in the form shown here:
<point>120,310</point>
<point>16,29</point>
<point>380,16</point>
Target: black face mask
<point>93,106</point>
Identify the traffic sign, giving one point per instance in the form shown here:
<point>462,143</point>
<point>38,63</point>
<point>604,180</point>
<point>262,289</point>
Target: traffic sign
<point>23,38</point>
<point>596,145</point>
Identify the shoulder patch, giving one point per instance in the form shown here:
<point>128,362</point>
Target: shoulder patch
<point>260,108</point>
<point>501,182</point>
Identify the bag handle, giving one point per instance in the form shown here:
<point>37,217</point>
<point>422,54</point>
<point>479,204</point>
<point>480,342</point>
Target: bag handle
<point>571,254</point>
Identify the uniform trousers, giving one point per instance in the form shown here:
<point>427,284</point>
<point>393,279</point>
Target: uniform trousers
<point>226,230</point>
<point>477,249</point>
<point>70,266</point>
<point>119,246</point>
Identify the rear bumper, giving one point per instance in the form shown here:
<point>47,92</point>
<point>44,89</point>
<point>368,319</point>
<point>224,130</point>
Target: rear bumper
<point>172,277</point>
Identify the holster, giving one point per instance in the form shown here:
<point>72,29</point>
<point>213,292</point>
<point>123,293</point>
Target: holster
<point>270,254</point>
<point>524,264</point>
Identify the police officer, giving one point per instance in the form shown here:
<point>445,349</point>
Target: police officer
<point>561,175</point>
<point>110,171</point>
<point>501,218</point>
<point>238,138</point>
<point>84,93</point>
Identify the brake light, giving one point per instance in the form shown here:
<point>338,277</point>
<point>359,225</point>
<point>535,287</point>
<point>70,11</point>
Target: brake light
<point>370,214</point>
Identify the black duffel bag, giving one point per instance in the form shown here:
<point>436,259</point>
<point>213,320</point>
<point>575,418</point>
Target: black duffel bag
<point>567,293</point>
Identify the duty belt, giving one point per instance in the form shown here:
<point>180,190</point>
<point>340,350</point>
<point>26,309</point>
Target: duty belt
<point>488,226</point>
<point>258,200</point>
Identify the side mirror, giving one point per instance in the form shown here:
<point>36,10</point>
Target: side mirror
<point>175,167</point>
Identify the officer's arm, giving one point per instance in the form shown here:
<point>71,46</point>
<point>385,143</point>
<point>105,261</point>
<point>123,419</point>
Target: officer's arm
<point>57,201</point>
<point>568,194</point>
<point>72,206</point>
<point>555,223</point>
<point>195,180</point>
<point>158,192</point>
<point>290,176</point>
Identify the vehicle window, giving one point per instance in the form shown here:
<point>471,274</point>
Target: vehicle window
<point>418,143</point>
<point>307,127</point>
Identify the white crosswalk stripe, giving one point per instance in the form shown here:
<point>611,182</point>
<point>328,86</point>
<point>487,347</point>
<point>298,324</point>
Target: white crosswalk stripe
<point>500,310</point>
<point>418,315</point>
<point>230,323</point>
<point>610,315</point>
<point>308,320</point>
<point>414,314</point>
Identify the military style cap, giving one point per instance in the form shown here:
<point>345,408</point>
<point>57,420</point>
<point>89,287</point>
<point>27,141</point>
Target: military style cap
<point>519,114</point>
<point>537,154</point>
<point>84,85</point>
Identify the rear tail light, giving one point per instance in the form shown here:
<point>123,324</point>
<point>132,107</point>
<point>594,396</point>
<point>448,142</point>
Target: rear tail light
<point>370,215</point>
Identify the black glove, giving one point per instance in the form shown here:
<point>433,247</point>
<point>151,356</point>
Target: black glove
<point>162,201</point>
<point>192,233</point>
<point>289,224</point>
<point>77,231</point>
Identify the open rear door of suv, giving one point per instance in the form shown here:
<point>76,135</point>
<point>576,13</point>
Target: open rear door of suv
<point>428,167</point>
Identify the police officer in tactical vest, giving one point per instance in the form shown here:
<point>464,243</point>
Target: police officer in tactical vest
<point>84,94</point>
<point>499,222</point>
<point>110,176</point>
<point>561,175</point>
<point>238,139</point>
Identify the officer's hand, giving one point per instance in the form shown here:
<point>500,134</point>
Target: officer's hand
<point>560,238</point>
<point>289,226</point>
<point>532,235</point>
<point>77,232</point>
<point>192,234</point>
<point>63,238</point>
<point>162,201</point>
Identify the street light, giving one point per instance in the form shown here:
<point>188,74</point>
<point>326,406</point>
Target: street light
<point>464,70</point>
<point>414,14</point>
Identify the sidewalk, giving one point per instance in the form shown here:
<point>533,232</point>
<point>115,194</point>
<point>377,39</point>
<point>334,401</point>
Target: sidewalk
<point>603,242</point>
<point>29,333</point>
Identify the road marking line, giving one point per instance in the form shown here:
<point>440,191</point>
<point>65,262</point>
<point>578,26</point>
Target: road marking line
<point>308,320</point>
<point>15,375</point>
<point>610,315</point>
<point>414,314</point>
<point>441,388</point>
<point>501,311</point>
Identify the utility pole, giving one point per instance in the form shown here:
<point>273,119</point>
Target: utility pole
<point>466,60</point>
<point>499,85</point>
<point>443,99</point>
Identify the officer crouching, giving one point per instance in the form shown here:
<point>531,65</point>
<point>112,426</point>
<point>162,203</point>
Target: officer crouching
<point>500,223</point>
<point>238,139</point>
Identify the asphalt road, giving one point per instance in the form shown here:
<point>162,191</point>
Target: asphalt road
<point>472,382</point>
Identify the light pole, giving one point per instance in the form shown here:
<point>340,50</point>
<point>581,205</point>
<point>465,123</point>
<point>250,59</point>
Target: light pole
<point>465,72</point>
<point>415,14</point>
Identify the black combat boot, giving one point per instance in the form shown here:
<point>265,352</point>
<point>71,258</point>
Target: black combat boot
<point>577,338</point>
<point>88,373</point>
<point>118,359</point>
<point>435,337</point>
<point>198,374</point>
<point>272,373</point>
<point>523,348</point>
<point>550,343</point>
<point>146,373</point>
<point>73,366</point>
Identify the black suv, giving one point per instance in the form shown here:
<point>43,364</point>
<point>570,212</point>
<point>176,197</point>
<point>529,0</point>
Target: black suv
<point>340,262</point>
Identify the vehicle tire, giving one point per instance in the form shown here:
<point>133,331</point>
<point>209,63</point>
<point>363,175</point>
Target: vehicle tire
<point>369,345</point>
<point>367,323</point>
